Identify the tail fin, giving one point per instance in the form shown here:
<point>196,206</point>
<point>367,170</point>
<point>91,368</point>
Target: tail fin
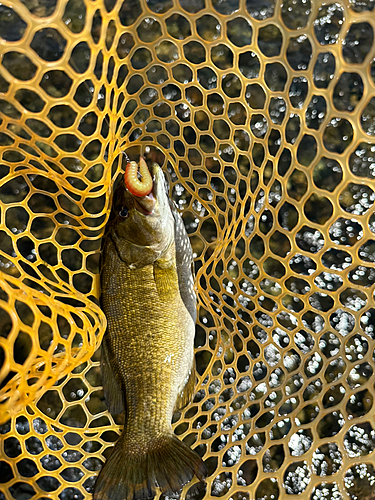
<point>131,475</point>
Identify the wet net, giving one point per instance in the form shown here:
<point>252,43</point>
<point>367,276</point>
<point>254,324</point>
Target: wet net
<point>263,117</point>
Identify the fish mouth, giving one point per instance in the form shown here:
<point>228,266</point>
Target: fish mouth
<point>145,204</point>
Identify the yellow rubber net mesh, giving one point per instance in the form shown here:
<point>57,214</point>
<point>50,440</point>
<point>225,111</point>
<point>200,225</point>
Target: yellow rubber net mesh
<point>263,116</point>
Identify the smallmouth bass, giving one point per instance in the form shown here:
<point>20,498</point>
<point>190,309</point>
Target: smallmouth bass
<point>147,352</point>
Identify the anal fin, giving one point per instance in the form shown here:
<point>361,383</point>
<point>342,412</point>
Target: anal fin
<point>186,395</point>
<point>113,392</point>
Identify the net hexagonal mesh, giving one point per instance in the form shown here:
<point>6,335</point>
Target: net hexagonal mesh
<point>263,117</point>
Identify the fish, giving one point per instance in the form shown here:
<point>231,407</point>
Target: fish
<point>147,357</point>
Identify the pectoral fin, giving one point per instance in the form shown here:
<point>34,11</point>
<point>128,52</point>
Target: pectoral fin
<point>113,392</point>
<point>187,392</point>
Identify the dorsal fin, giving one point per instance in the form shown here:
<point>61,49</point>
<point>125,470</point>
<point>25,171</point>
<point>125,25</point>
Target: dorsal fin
<point>184,262</point>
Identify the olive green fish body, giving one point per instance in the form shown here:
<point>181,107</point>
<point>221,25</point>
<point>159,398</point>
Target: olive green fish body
<point>150,338</point>
<point>147,352</point>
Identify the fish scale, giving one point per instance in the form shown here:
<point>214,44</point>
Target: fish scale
<point>141,339</point>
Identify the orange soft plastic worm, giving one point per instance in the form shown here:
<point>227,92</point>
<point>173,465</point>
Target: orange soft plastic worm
<point>138,187</point>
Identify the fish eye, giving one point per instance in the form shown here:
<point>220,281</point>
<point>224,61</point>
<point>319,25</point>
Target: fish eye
<point>123,212</point>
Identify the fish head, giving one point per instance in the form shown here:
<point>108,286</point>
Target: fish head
<point>142,227</point>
